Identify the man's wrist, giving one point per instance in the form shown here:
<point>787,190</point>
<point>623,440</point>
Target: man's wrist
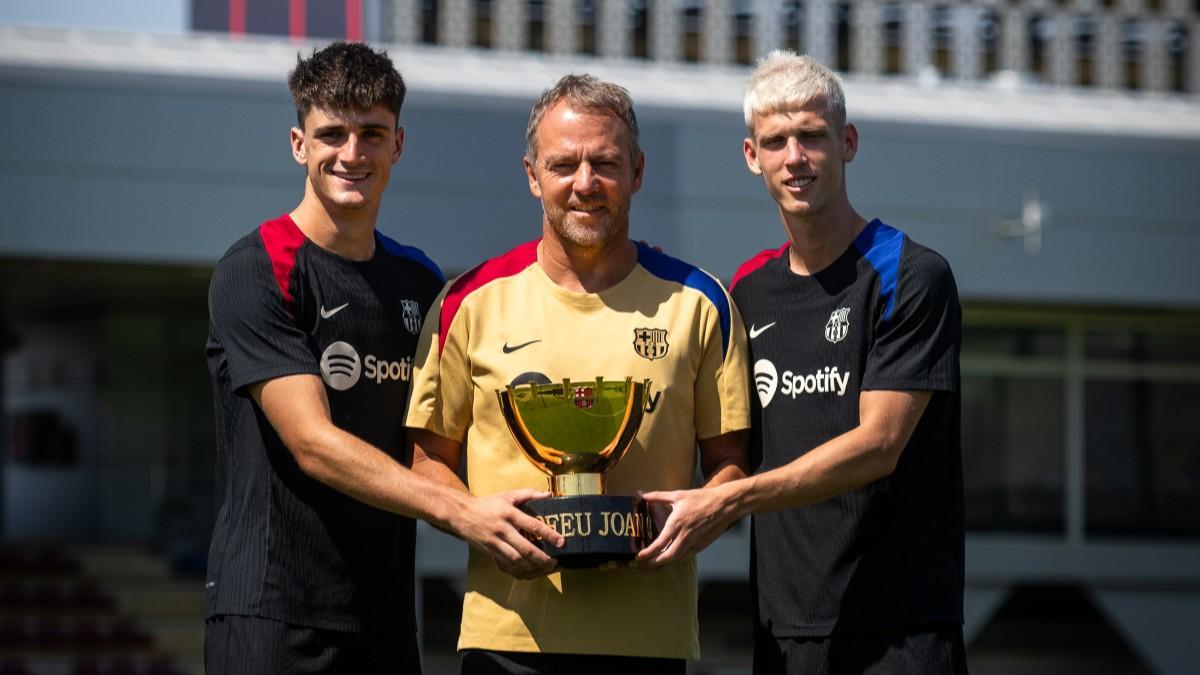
<point>448,506</point>
<point>735,498</point>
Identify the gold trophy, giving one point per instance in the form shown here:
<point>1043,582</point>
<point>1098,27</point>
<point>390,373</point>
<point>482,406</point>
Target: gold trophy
<point>574,432</point>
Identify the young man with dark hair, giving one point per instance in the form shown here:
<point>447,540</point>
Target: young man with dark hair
<point>854,334</point>
<point>592,303</point>
<point>313,322</point>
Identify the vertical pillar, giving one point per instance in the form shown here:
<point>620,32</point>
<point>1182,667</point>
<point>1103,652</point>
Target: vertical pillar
<point>916,38</point>
<point>1074,495</point>
<point>454,22</point>
<point>1109,60</point>
<point>768,26</point>
<point>664,25</point>
<point>866,18</point>
<point>819,31</point>
<point>716,33</point>
<point>1154,54</point>
<point>1014,45</point>
<point>612,29</point>
<point>1192,65</point>
<point>404,22</point>
<point>510,27</point>
<point>966,61</point>
<point>1062,51</point>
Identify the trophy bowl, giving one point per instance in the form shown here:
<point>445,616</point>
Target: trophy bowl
<point>574,432</point>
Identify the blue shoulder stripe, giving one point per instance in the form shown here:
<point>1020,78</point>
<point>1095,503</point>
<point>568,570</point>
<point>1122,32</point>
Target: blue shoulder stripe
<point>881,244</point>
<point>412,253</point>
<point>664,266</point>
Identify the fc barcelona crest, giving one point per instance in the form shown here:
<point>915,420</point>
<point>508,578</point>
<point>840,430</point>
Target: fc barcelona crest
<point>838,326</point>
<point>585,397</point>
<point>412,315</point>
<point>650,343</point>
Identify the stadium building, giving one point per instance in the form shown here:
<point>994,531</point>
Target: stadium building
<point>1050,150</point>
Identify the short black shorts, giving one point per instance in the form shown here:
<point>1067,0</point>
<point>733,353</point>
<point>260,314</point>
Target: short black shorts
<point>486,662</point>
<point>923,650</point>
<point>250,645</point>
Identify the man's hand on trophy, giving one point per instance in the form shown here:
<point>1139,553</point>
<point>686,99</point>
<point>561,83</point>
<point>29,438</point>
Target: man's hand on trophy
<point>497,527</point>
<point>697,517</point>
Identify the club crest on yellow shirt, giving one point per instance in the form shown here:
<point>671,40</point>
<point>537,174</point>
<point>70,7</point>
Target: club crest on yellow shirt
<point>650,343</point>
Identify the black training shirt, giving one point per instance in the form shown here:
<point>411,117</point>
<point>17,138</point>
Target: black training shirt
<point>883,316</point>
<point>286,546</point>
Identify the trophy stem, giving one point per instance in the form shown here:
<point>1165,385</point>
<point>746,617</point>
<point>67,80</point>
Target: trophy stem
<point>572,484</point>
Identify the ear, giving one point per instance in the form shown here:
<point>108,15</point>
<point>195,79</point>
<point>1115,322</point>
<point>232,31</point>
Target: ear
<point>299,152</point>
<point>535,188</point>
<point>849,142</point>
<point>751,154</point>
<point>399,149</point>
<point>639,169</point>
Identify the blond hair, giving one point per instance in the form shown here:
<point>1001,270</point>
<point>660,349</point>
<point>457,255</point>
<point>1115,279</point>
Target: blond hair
<point>784,80</point>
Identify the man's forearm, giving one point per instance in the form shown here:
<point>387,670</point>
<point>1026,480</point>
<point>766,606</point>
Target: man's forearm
<point>352,466</point>
<point>724,458</point>
<point>436,470</point>
<point>843,463</point>
<point>726,472</point>
<point>855,458</point>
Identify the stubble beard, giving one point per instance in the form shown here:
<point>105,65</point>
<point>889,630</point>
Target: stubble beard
<point>588,236</point>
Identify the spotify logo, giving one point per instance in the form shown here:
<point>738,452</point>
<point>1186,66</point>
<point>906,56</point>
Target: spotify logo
<point>340,366</point>
<point>765,380</point>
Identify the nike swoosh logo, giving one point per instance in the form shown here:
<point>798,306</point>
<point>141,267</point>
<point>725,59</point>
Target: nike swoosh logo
<point>326,313</point>
<point>755,332</point>
<point>509,350</point>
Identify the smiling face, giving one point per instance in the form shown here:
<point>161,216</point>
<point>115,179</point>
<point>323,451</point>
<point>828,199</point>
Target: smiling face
<point>802,158</point>
<point>348,155</point>
<point>585,176</point>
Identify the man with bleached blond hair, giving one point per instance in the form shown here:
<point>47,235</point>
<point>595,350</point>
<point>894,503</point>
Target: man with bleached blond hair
<point>854,335</point>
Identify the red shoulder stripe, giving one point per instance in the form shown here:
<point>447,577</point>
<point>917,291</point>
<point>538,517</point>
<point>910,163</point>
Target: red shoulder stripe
<point>282,239</point>
<point>756,262</point>
<point>504,265</point>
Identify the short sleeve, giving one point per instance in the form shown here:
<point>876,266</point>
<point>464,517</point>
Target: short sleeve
<point>440,399</point>
<point>722,393</point>
<point>916,346</point>
<point>249,324</point>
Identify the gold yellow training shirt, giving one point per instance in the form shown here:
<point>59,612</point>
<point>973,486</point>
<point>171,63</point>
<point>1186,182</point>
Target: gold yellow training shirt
<point>505,322</point>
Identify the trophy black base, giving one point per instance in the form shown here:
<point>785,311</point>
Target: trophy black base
<point>597,529</point>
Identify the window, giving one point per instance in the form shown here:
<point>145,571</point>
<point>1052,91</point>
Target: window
<point>1081,424</point>
<point>1014,413</point>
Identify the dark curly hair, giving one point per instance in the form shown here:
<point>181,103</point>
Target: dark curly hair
<point>345,76</point>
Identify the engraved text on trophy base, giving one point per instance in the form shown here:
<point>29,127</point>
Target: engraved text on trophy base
<point>614,523</point>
